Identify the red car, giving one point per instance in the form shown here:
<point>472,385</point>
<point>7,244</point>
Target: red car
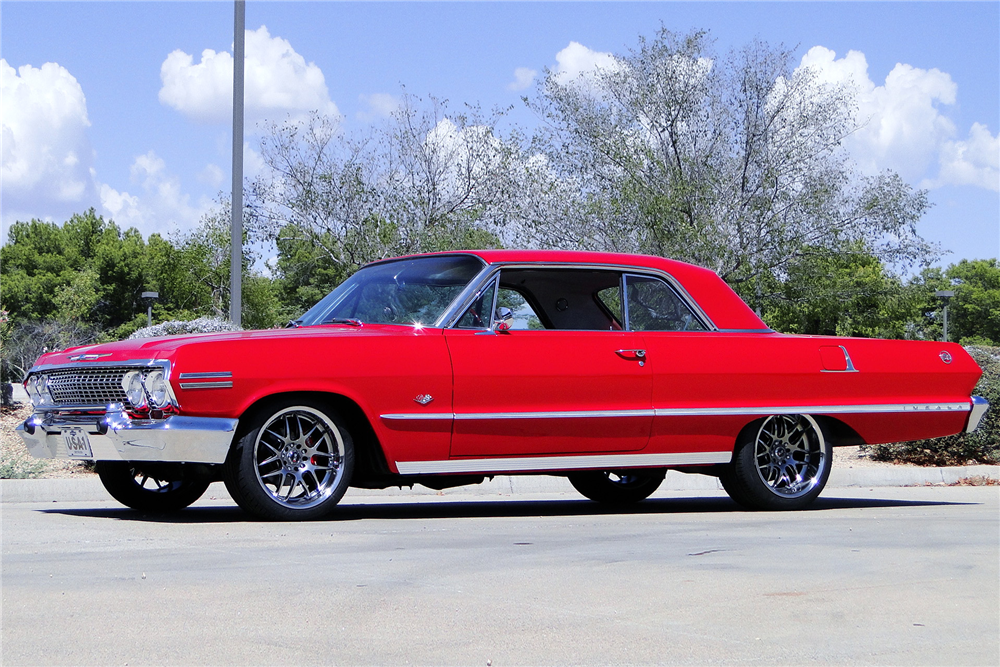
<point>443,369</point>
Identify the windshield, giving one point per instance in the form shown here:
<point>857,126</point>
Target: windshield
<point>405,291</point>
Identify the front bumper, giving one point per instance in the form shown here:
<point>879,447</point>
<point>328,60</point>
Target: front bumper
<point>114,436</point>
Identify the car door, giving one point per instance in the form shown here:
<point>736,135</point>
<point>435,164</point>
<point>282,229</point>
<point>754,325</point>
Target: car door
<point>537,387</point>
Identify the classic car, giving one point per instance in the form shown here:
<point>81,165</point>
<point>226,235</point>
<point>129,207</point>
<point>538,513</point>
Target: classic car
<point>444,369</point>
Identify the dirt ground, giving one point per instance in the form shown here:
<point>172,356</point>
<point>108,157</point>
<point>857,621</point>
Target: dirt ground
<point>14,457</point>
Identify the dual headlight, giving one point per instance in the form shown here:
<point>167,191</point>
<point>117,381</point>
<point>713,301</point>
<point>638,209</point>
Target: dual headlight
<point>149,390</point>
<point>38,391</point>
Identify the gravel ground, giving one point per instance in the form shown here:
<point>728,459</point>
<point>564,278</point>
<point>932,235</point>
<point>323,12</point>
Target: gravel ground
<point>15,461</point>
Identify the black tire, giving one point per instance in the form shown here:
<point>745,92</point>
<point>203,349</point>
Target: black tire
<point>617,487</point>
<point>149,489</point>
<point>783,465</point>
<point>293,463</point>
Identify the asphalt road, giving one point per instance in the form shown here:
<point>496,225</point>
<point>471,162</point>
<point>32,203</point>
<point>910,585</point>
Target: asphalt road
<point>883,576</point>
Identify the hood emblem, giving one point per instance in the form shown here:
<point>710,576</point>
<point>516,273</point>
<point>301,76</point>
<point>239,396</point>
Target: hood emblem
<point>424,399</point>
<point>88,357</point>
<point>945,356</point>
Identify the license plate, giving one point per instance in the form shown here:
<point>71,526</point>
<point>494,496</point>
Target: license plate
<point>77,443</point>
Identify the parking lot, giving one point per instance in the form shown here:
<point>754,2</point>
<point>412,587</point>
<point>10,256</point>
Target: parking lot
<point>870,576</point>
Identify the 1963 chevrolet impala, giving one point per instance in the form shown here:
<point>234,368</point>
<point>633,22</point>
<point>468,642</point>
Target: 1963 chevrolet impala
<point>443,369</point>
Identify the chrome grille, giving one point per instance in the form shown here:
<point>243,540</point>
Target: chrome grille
<point>89,386</point>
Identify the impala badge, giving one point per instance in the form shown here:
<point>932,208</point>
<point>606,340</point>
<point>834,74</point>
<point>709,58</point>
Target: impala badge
<point>424,399</point>
<point>89,357</point>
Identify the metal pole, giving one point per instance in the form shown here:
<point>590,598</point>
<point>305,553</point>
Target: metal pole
<point>236,257</point>
<point>149,315</point>
<point>945,336</point>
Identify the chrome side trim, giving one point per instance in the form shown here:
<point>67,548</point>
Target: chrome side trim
<point>814,409</point>
<point>571,414</point>
<point>418,415</point>
<point>694,412</point>
<point>979,407</point>
<point>206,385</point>
<point>539,463</point>
<point>205,376</point>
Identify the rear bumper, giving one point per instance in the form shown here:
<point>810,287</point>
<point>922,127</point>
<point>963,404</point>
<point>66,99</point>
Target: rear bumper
<point>115,437</point>
<point>979,407</point>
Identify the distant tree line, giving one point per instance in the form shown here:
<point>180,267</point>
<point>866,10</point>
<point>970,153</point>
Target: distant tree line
<point>732,161</point>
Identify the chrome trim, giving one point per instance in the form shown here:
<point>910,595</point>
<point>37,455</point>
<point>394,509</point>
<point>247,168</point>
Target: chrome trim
<point>742,331</point>
<point>418,416</point>
<point>145,364</point>
<point>813,409</point>
<point>88,357</point>
<point>471,416</point>
<point>117,437</point>
<point>979,407</point>
<point>693,412</point>
<point>206,385</point>
<point>204,376</point>
<point>847,358</point>
<point>538,463</point>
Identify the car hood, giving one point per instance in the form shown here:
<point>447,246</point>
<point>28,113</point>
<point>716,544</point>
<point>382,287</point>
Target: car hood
<point>165,347</point>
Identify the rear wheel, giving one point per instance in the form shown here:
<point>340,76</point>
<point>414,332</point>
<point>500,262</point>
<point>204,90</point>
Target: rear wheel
<point>784,466</point>
<point>617,487</point>
<point>294,463</point>
<point>148,488</point>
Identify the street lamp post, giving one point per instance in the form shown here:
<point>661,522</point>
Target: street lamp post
<point>945,294</point>
<point>236,242</point>
<point>149,306</point>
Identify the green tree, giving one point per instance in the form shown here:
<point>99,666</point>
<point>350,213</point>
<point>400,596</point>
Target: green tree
<point>732,162</point>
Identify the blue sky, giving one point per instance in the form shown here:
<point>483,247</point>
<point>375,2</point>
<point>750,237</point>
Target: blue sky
<point>121,120</point>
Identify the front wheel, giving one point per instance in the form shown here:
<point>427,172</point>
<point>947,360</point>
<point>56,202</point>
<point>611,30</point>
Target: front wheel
<point>144,487</point>
<point>783,467</point>
<point>294,463</point>
<point>617,487</point>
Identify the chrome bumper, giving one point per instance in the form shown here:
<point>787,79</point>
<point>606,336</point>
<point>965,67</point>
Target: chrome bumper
<point>114,436</point>
<point>979,407</point>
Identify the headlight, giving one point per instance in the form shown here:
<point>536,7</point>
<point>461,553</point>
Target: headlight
<point>134,391</point>
<point>38,391</point>
<point>156,387</point>
<point>32,387</point>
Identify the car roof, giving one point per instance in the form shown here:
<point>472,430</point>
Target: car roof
<point>725,308</point>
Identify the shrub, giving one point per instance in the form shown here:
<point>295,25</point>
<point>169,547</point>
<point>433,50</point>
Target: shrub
<point>981,446</point>
<point>178,328</point>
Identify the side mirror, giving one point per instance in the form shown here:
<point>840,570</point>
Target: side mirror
<point>502,320</point>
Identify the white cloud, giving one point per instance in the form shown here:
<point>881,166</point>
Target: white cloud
<point>212,175</point>
<point>278,83</point>
<point>379,105</point>
<point>902,124</point>
<point>524,76</point>
<point>577,62</point>
<point>161,206</point>
<point>47,157</point>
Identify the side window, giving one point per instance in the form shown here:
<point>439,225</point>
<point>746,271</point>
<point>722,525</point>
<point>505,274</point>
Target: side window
<point>611,298</point>
<point>524,315</point>
<point>478,315</point>
<point>654,306</point>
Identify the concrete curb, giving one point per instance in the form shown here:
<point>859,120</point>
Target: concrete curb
<point>89,489</point>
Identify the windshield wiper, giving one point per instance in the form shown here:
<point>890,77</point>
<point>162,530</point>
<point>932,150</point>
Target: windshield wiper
<point>343,320</point>
<point>293,324</point>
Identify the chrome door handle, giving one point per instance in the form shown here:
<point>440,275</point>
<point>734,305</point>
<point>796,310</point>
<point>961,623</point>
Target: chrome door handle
<point>636,355</point>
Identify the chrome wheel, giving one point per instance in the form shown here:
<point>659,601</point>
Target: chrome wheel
<point>782,463</point>
<point>790,454</point>
<point>299,457</point>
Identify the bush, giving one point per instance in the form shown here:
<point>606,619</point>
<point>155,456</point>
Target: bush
<point>982,446</point>
<point>178,328</point>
